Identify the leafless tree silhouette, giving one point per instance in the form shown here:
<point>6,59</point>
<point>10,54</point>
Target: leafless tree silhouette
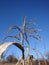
<point>27,30</point>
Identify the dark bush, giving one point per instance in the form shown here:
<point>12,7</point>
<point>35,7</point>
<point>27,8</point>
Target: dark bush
<point>11,58</point>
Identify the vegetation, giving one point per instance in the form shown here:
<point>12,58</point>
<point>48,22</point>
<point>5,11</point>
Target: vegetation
<point>27,30</point>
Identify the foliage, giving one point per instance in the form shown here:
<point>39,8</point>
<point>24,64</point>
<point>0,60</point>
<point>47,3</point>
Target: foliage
<point>11,58</point>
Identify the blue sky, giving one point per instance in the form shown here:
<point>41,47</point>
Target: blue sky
<point>12,12</point>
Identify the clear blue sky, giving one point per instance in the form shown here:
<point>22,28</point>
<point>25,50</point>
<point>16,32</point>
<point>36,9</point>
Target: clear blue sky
<point>12,12</point>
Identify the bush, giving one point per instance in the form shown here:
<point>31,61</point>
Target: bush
<point>11,58</point>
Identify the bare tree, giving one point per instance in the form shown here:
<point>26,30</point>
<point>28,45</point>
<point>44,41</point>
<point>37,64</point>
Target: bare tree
<point>27,30</point>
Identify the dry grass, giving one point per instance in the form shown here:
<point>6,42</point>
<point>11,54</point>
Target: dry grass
<point>1,63</point>
<point>26,63</point>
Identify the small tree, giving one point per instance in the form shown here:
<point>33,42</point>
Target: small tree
<point>11,58</point>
